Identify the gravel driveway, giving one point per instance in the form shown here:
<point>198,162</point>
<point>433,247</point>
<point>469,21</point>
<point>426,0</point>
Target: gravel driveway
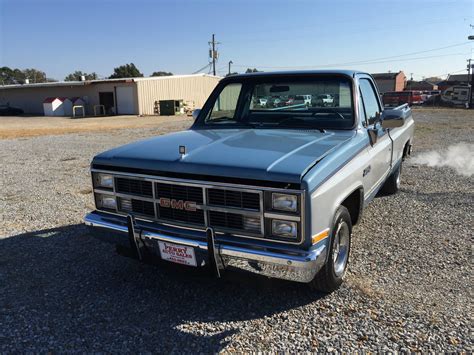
<point>409,286</point>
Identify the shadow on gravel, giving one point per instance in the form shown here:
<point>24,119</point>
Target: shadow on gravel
<point>61,289</point>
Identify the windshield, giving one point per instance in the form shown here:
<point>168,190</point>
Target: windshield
<point>260,103</point>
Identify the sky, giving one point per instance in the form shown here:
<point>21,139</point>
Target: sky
<point>422,38</point>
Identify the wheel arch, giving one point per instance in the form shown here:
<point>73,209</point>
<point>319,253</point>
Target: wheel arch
<point>354,202</point>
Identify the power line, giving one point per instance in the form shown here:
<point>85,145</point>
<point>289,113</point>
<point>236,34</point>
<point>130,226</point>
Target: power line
<point>200,70</point>
<point>372,61</point>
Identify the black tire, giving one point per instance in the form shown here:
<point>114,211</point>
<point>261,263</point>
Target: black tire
<point>392,185</point>
<point>330,277</point>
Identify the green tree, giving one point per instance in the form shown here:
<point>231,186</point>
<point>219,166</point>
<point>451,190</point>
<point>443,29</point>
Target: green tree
<point>126,71</point>
<point>76,76</point>
<point>10,76</point>
<point>250,70</point>
<point>161,73</point>
<point>34,75</point>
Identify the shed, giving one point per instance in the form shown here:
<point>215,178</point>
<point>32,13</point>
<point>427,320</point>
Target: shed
<point>54,106</point>
<point>70,103</point>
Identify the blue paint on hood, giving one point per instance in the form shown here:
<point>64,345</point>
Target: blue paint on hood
<point>261,154</point>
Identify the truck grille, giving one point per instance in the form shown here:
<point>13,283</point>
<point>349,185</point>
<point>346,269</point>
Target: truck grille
<point>170,214</point>
<point>230,210</point>
<point>232,198</point>
<point>133,187</point>
<point>179,192</point>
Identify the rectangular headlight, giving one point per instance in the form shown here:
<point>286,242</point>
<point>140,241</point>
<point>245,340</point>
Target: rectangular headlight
<point>104,180</point>
<point>106,201</point>
<point>284,202</point>
<point>285,229</point>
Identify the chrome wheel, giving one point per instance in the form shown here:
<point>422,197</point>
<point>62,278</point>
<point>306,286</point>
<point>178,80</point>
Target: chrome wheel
<point>340,252</point>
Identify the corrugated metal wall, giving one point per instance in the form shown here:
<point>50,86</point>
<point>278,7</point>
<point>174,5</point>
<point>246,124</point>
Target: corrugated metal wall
<point>30,99</point>
<point>195,89</point>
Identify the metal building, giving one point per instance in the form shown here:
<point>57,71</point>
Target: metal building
<point>132,96</point>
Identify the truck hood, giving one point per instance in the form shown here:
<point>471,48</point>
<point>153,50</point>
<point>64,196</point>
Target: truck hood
<point>259,154</point>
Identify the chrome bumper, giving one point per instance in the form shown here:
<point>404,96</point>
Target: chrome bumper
<point>300,267</point>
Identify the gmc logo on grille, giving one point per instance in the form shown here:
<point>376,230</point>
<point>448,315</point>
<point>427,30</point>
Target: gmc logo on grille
<point>177,204</point>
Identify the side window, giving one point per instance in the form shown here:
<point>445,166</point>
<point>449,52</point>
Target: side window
<point>369,98</point>
<point>226,104</point>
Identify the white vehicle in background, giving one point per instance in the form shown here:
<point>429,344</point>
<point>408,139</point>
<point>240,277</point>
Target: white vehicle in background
<point>307,99</point>
<point>326,99</point>
<point>456,95</point>
<point>262,101</point>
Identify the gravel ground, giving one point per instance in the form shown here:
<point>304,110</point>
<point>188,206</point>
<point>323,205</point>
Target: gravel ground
<point>409,287</point>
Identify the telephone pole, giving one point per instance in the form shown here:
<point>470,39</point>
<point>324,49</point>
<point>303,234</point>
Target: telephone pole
<point>470,72</point>
<point>213,54</point>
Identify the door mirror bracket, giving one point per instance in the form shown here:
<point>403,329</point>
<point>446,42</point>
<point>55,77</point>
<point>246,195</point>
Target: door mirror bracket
<point>196,113</point>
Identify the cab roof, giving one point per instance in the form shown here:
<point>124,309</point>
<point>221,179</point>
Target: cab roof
<point>345,72</point>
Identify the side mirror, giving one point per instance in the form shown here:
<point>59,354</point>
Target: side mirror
<point>394,118</point>
<point>196,113</point>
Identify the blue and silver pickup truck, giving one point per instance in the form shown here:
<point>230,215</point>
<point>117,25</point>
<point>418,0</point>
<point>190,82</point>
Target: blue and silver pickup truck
<point>269,179</point>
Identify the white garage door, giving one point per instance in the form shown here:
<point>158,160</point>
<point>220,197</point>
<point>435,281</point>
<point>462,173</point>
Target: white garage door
<point>125,100</point>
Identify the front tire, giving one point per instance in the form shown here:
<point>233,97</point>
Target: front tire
<point>330,277</point>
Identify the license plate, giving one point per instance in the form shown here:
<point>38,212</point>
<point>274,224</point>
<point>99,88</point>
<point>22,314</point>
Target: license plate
<point>179,254</point>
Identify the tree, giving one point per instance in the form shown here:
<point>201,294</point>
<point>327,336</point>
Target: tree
<point>250,70</point>
<point>76,76</point>
<point>161,73</point>
<point>126,71</point>
<point>10,76</point>
<point>34,75</point>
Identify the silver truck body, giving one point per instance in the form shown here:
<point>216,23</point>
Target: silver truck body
<point>325,169</point>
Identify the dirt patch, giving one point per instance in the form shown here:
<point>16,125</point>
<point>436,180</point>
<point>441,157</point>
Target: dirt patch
<point>22,127</point>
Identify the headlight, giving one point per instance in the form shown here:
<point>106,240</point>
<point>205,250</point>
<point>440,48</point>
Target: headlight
<point>285,229</point>
<point>106,201</point>
<point>104,180</point>
<point>283,202</point>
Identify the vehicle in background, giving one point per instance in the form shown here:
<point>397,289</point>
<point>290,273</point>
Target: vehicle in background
<point>275,101</point>
<point>456,96</point>
<point>397,98</point>
<point>7,110</point>
<point>296,100</point>
<point>307,99</point>
<point>322,100</point>
<point>262,101</point>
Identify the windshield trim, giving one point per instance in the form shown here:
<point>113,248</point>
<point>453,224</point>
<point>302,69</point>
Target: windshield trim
<point>200,123</point>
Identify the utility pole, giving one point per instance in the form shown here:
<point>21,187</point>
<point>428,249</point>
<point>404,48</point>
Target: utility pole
<point>471,101</point>
<point>230,62</point>
<point>213,53</point>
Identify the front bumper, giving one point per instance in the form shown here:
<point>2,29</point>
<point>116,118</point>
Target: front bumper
<point>291,264</point>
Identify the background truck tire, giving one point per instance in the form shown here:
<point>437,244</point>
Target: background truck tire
<point>392,185</point>
<point>329,278</point>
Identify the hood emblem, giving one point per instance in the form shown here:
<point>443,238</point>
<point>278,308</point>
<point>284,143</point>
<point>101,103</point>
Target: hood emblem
<point>182,150</point>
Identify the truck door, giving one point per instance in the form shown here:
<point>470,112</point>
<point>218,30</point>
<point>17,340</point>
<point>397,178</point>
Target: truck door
<point>380,149</point>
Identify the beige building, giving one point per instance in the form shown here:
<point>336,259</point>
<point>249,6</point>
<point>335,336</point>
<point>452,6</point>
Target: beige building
<point>133,96</point>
